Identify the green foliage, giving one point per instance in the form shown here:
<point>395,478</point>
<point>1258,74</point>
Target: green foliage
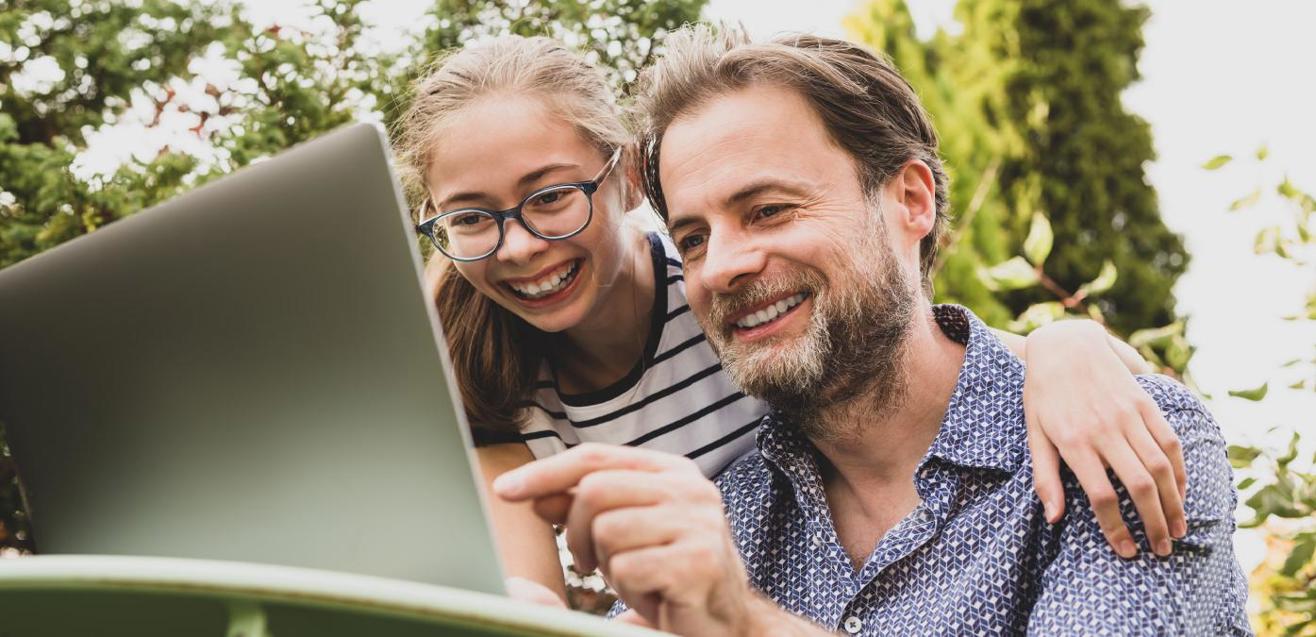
<point>1026,99</point>
<point>1279,484</point>
<point>94,57</point>
<point>621,35</point>
<point>71,67</point>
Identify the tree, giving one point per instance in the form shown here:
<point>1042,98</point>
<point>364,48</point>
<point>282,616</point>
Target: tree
<point>1027,101</point>
<point>1088,154</point>
<point>70,67</point>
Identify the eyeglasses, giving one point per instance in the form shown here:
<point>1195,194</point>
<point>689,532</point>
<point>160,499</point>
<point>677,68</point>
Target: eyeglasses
<point>551,213</point>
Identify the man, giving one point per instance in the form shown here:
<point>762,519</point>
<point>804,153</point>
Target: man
<point>892,491</point>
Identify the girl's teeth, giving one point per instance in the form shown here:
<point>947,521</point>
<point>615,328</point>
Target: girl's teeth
<point>552,283</point>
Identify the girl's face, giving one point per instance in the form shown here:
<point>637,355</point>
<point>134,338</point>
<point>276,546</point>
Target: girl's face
<point>493,153</point>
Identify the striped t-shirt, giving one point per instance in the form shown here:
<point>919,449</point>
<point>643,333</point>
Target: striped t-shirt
<point>677,399</point>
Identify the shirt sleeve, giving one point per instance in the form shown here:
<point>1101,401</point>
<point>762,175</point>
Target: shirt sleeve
<point>618,607</point>
<point>1198,590</point>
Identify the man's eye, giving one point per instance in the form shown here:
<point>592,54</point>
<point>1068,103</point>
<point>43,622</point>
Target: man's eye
<point>770,210</point>
<point>690,242</point>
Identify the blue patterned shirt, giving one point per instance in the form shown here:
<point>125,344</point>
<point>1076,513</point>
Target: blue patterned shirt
<point>977,557</point>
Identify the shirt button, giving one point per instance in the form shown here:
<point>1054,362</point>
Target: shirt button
<point>853,625</point>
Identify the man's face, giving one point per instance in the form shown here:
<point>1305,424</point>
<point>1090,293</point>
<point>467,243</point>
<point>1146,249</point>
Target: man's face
<point>788,267</point>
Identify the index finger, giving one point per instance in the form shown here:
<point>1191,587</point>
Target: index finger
<point>560,472</point>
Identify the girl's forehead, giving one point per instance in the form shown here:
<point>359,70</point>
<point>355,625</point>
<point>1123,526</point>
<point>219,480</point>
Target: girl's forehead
<point>491,146</point>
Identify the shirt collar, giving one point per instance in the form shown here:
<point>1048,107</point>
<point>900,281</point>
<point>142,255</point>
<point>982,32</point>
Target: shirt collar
<point>979,430</point>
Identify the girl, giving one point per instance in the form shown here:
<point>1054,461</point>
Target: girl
<point>567,322</point>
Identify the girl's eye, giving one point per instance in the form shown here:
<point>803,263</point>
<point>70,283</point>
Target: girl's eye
<point>547,198</point>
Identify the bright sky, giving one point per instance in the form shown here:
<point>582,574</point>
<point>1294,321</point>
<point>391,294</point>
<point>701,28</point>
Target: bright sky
<point>1218,78</point>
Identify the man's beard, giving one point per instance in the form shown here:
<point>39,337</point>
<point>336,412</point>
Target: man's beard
<point>852,350</point>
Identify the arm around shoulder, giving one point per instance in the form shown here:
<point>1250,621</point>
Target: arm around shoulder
<point>1198,590</point>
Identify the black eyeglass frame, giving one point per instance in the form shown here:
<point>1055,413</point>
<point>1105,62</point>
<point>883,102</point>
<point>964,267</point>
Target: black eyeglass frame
<point>588,187</point>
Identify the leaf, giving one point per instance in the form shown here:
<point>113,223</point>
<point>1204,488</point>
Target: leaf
<point>1246,202</point>
<point>1104,281</point>
<point>1287,190</point>
<point>1156,335</point>
<point>1275,499</point>
<point>1216,162</point>
<point>1290,454</point>
<point>1251,394</point>
<point>1247,482</point>
<point>1267,240</point>
<point>1014,274</point>
<point>1036,316</point>
<point>1299,557</point>
<point>1178,352</point>
<point>1262,152</point>
<point>1038,243</point>
<point>1302,384</point>
<point>1242,457</point>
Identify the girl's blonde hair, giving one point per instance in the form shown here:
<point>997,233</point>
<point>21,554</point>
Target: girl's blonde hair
<point>495,354</point>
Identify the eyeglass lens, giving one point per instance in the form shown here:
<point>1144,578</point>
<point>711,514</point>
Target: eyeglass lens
<point>553,213</point>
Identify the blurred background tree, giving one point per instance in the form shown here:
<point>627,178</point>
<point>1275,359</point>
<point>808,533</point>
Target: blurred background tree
<point>1026,98</point>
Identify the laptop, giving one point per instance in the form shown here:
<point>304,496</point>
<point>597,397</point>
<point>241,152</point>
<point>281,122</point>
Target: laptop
<point>248,372</point>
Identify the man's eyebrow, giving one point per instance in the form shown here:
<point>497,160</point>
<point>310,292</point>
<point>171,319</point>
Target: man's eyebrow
<point>749,191</point>
<point>767,184</point>
<point>525,181</point>
<point>681,223</point>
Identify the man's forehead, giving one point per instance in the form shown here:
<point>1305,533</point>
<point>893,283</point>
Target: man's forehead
<point>744,139</point>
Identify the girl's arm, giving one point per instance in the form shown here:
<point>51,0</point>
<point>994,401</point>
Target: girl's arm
<point>527,543</point>
<point>1083,405</point>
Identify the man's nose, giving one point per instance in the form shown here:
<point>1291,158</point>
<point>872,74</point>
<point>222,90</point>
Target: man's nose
<point>519,245</point>
<point>729,261</point>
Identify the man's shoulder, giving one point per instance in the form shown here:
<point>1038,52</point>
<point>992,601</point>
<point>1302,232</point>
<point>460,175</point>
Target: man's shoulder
<point>1211,494</point>
<point>1188,416</point>
<point>1170,395</point>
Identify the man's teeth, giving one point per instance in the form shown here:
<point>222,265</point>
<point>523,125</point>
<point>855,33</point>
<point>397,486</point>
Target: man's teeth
<point>554,282</point>
<point>770,313</point>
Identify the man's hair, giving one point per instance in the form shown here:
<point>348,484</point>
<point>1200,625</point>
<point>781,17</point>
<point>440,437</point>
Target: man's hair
<point>867,107</point>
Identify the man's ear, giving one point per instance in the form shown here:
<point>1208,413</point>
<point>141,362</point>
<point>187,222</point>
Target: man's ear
<point>633,193</point>
<point>917,192</point>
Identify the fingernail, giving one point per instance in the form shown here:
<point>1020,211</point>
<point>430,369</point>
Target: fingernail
<point>509,484</point>
<point>1180,530</point>
<point>1127,549</point>
<point>1163,548</point>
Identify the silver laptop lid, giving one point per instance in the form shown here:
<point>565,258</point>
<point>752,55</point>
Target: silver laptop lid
<point>248,372</point>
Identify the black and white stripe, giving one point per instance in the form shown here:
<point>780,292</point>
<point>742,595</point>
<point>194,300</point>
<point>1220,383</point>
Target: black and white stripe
<point>678,400</point>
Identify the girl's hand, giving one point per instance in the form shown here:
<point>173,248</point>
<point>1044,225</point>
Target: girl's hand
<point>522,589</point>
<point>1082,404</point>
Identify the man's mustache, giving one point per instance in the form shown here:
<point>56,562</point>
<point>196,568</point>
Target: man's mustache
<point>757,292</point>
